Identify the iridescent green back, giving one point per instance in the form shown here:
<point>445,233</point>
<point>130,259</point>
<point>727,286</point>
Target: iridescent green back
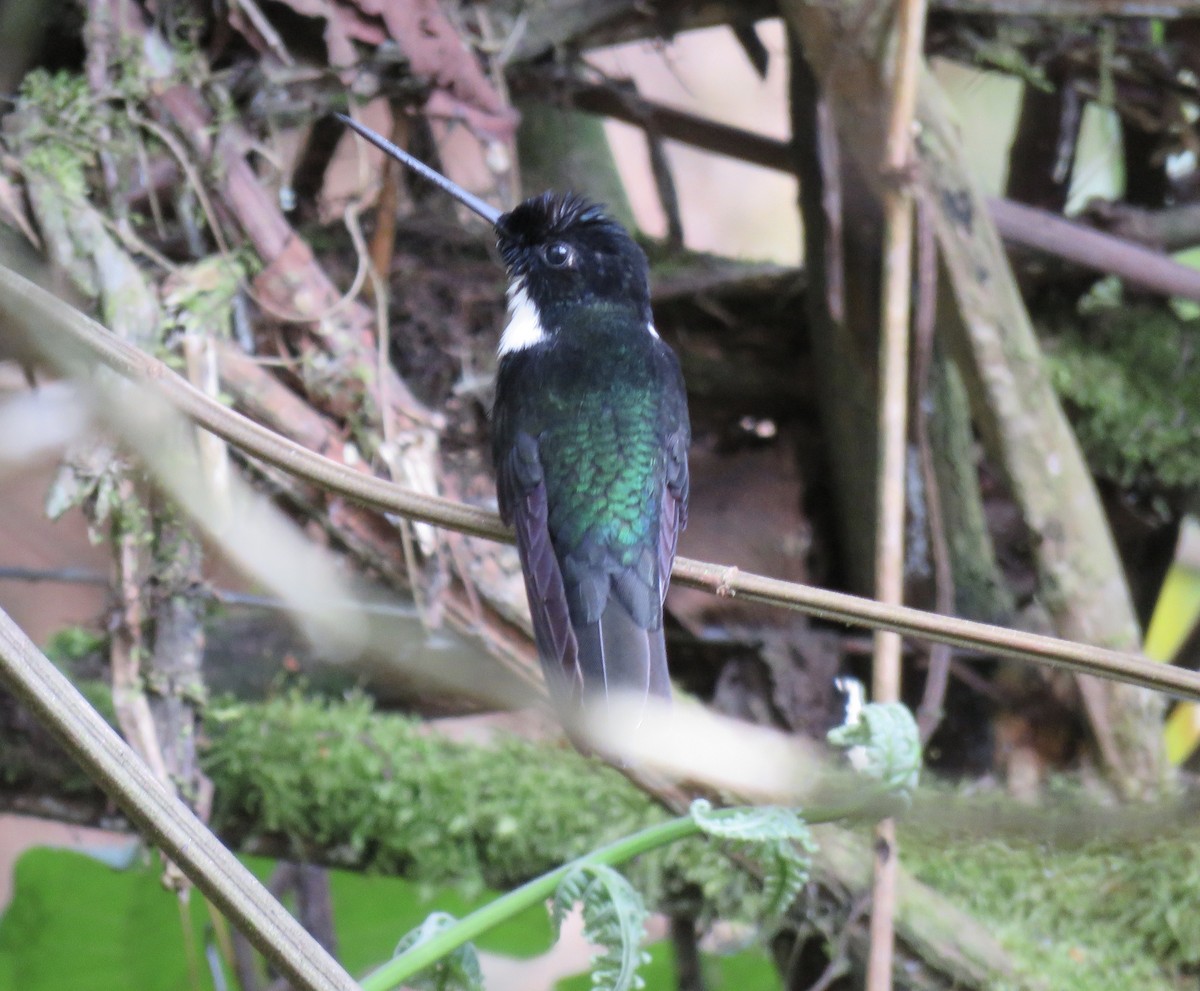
<point>603,459</point>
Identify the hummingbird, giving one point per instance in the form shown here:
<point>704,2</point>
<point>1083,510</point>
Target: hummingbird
<point>590,436</point>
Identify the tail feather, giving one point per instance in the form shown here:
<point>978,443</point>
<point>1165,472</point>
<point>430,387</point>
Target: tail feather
<point>617,655</point>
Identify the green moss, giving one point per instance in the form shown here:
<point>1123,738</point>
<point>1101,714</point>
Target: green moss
<point>73,644</point>
<point>1105,916</point>
<point>59,128</point>
<point>1130,378</point>
<point>386,794</point>
<point>383,793</point>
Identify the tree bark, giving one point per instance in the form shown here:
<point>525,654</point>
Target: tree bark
<point>842,257</point>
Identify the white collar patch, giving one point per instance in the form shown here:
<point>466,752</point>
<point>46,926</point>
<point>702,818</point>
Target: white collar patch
<point>524,328</point>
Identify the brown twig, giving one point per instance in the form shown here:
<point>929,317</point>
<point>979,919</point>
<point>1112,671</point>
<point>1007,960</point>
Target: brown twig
<point>686,944</point>
<point>293,282</point>
<point>1093,249</point>
<point>893,444</point>
<point>128,647</point>
<point>383,240</point>
<point>435,51</point>
<point>1171,229</point>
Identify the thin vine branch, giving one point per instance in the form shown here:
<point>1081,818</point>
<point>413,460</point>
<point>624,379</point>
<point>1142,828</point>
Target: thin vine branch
<point>82,342</point>
<point>929,711</point>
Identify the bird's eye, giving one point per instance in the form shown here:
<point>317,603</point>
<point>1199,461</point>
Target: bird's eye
<point>558,254</point>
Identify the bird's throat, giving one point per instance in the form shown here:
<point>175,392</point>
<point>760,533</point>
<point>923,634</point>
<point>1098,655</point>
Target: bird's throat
<point>524,328</point>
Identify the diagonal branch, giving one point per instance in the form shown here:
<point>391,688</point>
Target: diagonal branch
<point>160,815</point>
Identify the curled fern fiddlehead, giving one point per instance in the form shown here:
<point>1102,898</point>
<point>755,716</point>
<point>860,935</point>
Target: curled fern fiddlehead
<point>883,742</point>
<point>614,920</point>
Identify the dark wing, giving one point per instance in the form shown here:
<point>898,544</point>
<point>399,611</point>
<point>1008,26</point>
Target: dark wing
<point>677,429</point>
<point>521,487</point>
<point>589,640</point>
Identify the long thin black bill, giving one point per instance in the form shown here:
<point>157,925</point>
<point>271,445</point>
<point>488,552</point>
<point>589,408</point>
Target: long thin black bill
<point>472,202</point>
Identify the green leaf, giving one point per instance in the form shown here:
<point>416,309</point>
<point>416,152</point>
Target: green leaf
<point>614,919</point>
<point>884,743</point>
<point>787,866</point>
<point>75,922</point>
<point>458,970</point>
<point>777,837</point>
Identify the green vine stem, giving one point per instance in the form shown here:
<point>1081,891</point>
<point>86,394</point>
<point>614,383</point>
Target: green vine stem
<point>401,968</point>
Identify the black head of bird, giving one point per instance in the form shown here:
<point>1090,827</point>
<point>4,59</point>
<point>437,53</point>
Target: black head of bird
<point>590,438</point>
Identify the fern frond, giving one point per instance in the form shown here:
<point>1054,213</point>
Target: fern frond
<point>614,921</point>
<point>787,866</point>
<point>777,837</point>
